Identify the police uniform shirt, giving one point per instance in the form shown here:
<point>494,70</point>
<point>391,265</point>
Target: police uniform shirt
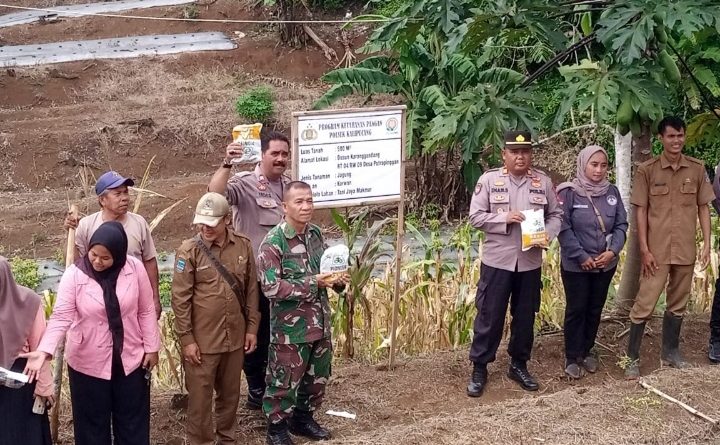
<point>257,204</point>
<point>671,197</point>
<point>207,311</point>
<point>498,192</point>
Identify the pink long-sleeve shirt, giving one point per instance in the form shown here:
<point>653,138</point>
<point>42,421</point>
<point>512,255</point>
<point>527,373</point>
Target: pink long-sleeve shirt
<point>80,311</point>
<point>44,385</point>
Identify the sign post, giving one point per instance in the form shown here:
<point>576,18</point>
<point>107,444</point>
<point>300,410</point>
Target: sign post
<point>355,157</point>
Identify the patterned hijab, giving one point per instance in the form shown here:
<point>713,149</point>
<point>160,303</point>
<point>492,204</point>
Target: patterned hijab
<point>583,185</point>
<point>18,308</point>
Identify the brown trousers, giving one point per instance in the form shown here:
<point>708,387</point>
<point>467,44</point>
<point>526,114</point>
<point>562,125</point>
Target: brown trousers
<point>222,373</point>
<point>676,296</point>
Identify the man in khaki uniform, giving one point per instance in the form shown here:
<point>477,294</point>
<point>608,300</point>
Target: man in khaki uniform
<point>256,199</point>
<point>216,322</point>
<point>509,274</point>
<point>670,192</point>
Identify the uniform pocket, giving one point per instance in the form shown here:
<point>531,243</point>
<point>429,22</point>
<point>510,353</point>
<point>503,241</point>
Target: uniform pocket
<point>499,202</point>
<point>688,193</point>
<point>537,200</point>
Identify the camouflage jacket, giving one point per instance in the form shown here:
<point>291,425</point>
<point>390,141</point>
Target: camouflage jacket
<point>287,265</point>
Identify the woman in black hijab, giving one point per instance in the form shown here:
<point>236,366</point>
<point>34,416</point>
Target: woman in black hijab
<point>105,304</point>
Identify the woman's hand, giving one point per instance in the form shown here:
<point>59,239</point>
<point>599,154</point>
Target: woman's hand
<point>604,259</point>
<point>150,360</point>
<point>588,265</point>
<point>35,361</point>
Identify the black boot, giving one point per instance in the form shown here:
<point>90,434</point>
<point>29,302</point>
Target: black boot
<point>637,330</point>
<point>303,424</point>
<point>714,347</point>
<point>671,342</point>
<point>277,434</point>
<point>256,391</point>
<point>478,380</point>
<point>518,372</point>
<point>714,350</point>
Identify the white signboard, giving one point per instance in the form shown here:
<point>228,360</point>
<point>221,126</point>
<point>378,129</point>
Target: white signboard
<point>350,157</point>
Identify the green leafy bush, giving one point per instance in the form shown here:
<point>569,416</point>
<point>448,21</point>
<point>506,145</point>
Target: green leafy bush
<point>256,105</point>
<point>165,288</point>
<point>26,272</point>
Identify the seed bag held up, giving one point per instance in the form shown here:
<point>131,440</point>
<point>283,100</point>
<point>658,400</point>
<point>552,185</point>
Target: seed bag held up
<point>533,229</point>
<point>249,137</point>
<point>335,259</point>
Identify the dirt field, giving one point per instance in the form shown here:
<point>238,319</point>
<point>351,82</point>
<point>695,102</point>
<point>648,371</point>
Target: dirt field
<point>423,401</point>
<point>62,125</point>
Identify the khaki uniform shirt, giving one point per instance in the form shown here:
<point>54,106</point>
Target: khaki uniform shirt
<point>207,311</point>
<point>672,198</point>
<point>496,193</point>
<point>140,242</point>
<point>257,204</point>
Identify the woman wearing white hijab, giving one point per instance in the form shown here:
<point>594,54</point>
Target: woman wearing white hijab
<point>591,238</point>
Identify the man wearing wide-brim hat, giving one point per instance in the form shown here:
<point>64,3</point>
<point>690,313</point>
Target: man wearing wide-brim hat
<point>215,301</point>
<point>509,274</point>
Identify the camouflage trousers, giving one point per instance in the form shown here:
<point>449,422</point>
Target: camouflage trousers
<point>296,378</point>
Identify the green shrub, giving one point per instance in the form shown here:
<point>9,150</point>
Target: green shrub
<point>26,272</point>
<point>256,105</point>
<point>165,288</point>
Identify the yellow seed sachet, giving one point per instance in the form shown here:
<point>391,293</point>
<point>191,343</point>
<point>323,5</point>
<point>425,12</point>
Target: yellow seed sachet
<point>249,137</point>
<point>533,229</point>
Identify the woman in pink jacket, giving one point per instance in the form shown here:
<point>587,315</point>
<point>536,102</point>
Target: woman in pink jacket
<point>105,304</point>
<point>22,323</point>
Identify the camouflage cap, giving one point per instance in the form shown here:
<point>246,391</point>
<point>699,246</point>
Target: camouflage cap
<point>211,209</point>
<point>518,139</point>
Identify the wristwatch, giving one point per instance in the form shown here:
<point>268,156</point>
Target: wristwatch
<point>226,164</point>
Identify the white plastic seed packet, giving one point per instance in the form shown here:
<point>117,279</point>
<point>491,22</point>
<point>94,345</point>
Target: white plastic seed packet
<point>533,229</point>
<point>249,137</point>
<point>335,259</point>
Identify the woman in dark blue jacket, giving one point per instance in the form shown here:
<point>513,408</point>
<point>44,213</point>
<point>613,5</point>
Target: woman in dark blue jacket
<point>591,238</point>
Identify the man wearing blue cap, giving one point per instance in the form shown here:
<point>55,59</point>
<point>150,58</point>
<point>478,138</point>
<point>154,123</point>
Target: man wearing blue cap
<point>114,199</point>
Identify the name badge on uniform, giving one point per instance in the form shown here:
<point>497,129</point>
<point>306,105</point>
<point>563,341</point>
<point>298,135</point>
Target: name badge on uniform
<point>537,199</point>
<point>580,206</point>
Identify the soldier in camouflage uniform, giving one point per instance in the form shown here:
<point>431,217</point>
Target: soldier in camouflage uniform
<point>300,352</point>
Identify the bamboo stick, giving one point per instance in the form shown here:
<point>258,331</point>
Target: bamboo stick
<point>60,353</point>
<point>685,406</point>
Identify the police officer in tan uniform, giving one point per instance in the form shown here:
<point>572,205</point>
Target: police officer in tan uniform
<point>256,200</point>
<point>216,322</point>
<point>507,273</point>
<point>670,192</point>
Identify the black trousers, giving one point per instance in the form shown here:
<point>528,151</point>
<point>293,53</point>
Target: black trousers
<point>123,402</point>
<point>715,315</point>
<point>495,289</point>
<point>18,424</point>
<point>585,295</point>
<point>256,362</point>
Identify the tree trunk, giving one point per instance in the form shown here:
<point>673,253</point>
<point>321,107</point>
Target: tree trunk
<point>630,280</point>
<point>290,33</point>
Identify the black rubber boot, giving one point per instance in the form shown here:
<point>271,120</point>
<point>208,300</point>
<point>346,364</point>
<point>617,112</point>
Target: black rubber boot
<point>637,330</point>
<point>303,424</point>
<point>277,434</point>
<point>256,390</point>
<point>671,342</point>
<point>478,380</point>
<point>518,371</point>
